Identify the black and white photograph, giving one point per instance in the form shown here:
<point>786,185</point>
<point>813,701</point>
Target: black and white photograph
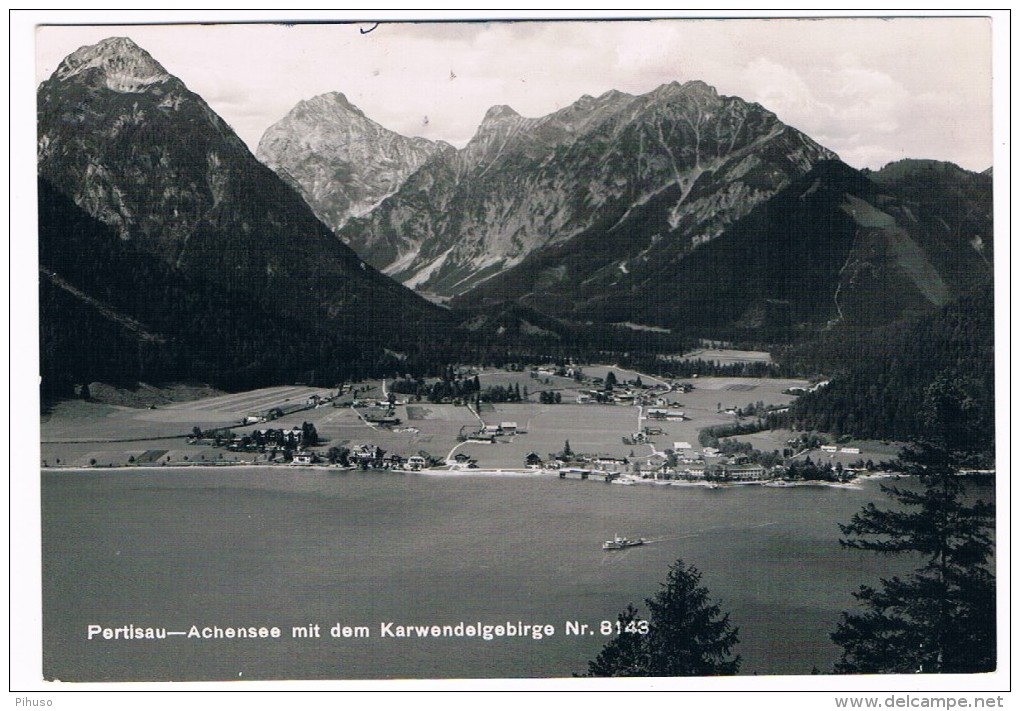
<point>512,352</point>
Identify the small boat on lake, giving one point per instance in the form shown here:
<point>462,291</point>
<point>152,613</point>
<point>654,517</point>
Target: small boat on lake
<point>619,542</point>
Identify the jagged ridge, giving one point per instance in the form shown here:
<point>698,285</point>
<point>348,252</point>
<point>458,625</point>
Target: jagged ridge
<point>522,185</point>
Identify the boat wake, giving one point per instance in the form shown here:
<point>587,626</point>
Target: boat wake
<point>711,529</point>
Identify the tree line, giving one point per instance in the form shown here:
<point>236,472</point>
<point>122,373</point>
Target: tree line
<point>879,377</point>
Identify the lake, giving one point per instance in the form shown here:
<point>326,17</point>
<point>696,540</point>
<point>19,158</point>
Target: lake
<point>286,547</point>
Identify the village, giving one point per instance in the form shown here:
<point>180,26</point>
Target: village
<point>599,423</point>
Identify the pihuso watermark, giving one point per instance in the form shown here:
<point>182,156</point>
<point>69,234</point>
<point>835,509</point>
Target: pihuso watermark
<point>911,701</point>
<point>27,701</point>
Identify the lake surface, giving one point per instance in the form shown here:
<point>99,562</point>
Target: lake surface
<point>288,548</point>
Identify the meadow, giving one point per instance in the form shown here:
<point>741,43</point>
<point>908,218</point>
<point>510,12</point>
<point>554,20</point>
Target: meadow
<point>81,434</point>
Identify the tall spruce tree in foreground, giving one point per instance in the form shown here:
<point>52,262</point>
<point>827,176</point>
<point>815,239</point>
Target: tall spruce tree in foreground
<point>686,634</point>
<point>941,618</point>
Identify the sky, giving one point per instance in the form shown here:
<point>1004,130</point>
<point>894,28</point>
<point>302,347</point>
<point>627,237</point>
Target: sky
<point>873,90</point>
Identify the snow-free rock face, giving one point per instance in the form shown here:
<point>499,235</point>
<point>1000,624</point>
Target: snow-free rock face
<point>135,149</point>
<point>831,249</point>
<point>341,162</point>
<point>681,157</point>
<point>116,63</point>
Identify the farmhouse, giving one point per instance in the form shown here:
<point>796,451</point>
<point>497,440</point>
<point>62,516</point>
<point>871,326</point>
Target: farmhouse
<point>480,436</point>
<point>696,470</point>
<point>270,438</point>
<point>368,454</point>
<point>508,427</point>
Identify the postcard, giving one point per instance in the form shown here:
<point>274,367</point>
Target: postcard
<point>512,352</point>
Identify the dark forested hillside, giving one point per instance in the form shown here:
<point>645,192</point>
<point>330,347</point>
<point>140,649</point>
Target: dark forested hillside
<point>111,312</point>
<point>138,151</point>
<point>881,375</point>
<point>833,247</point>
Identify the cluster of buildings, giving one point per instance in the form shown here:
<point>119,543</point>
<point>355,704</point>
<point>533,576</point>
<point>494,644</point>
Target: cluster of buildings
<point>690,469</point>
<point>489,433</point>
<point>832,449</point>
<point>270,440</point>
<point>733,469</point>
<point>366,456</point>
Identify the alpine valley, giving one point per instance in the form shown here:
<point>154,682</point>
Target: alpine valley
<point>618,225</point>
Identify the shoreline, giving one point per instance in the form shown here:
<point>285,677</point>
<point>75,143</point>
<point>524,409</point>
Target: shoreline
<point>626,480</point>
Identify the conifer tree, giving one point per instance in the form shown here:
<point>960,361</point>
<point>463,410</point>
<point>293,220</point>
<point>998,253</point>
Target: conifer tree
<point>940,618</point>
<point>625,654</point>
<point>686,634</point>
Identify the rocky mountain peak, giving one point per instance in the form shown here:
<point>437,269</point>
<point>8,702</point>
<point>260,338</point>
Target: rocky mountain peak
<point>697,86</point>
<point>587,105</point>
<point>500,112</point>
<point>614,94</point>
<point>137,151</point>
<point>695,89</point>
<point>117,63</point>
<point>341,100</point>
<point>342,162</point>
<point>334,102</point>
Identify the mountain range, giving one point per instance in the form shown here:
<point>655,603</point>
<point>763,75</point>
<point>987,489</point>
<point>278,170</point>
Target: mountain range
<point>170,183</point>
<point>682,156</point>
<point>138,151</point>
<point>614,220</point>
<point>832,247</point>
<point>679,209</point>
